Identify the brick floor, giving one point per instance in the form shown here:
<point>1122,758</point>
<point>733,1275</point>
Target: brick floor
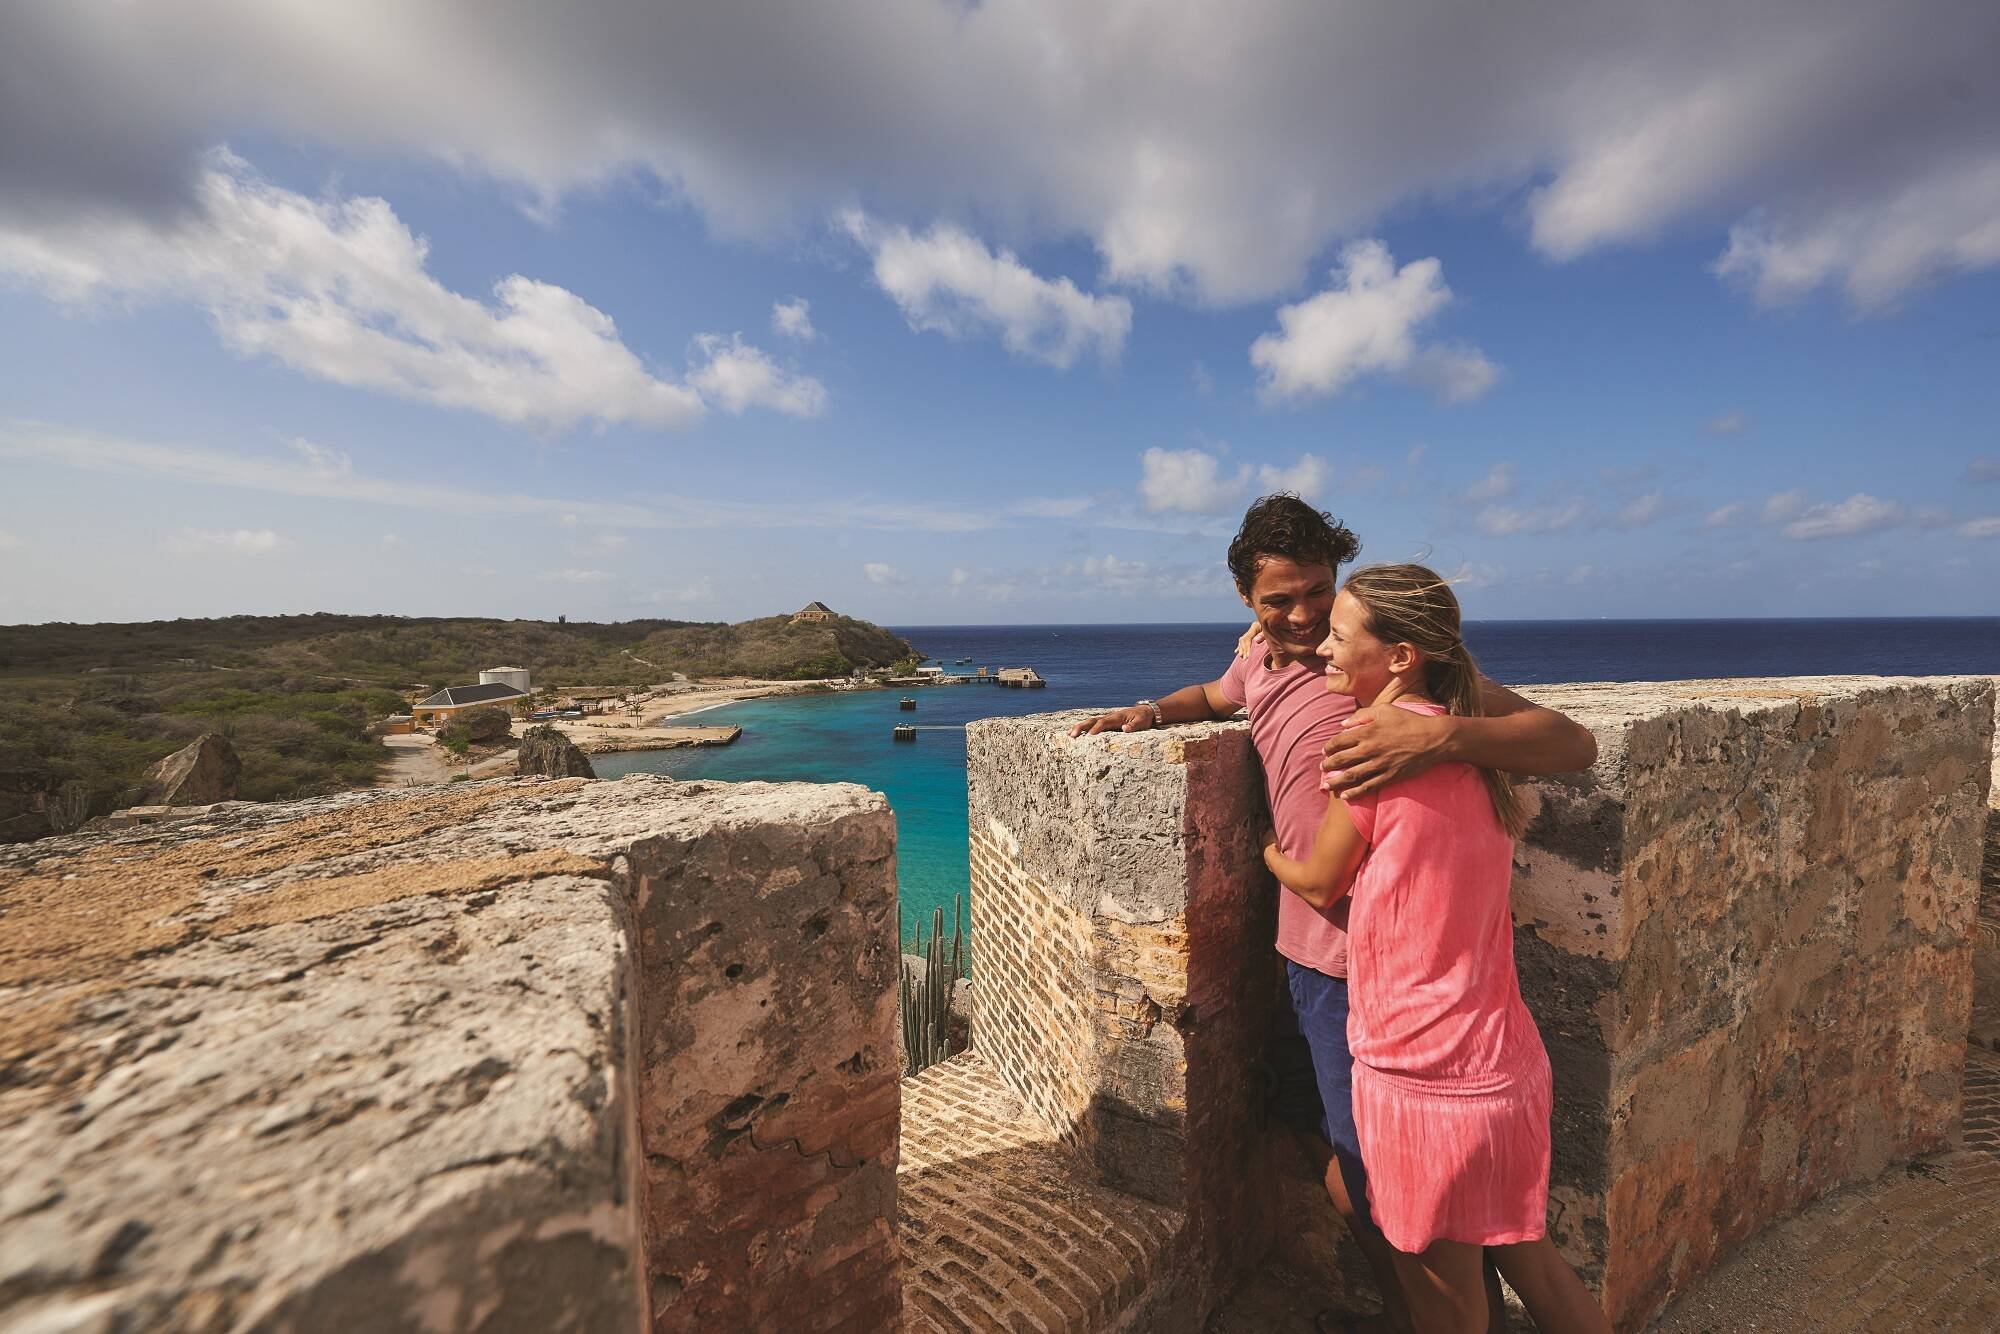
<point>1001,1228</point>
<point>1986,947</point>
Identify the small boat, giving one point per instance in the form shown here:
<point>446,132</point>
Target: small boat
<point>904,732</point>
<point>963,661</point>
<point>906,704</point>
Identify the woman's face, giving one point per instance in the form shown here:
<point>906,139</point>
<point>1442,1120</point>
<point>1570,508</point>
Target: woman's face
<point>1357,663</point>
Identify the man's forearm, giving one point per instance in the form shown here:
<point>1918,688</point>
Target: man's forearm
<point>1531,741</point>
<point>1189,704</point>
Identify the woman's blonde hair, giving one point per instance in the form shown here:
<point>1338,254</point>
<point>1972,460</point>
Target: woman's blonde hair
<point>1413,604</point>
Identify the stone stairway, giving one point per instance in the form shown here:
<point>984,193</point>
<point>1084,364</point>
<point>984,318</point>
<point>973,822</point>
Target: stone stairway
<point>1001,1229</point>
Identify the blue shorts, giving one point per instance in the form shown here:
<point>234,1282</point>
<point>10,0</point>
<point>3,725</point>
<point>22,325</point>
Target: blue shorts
<point>1320,1002</point>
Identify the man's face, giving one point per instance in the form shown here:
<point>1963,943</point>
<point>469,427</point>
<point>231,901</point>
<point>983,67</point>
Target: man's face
<point>1291,602</point>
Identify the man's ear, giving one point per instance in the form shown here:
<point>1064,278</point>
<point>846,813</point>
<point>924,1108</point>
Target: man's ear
<point>1246,598</point>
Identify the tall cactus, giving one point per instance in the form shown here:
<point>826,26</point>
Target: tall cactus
<point>924,997</point>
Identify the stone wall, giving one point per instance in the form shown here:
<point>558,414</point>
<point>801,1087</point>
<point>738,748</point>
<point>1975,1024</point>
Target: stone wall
<point>1746,934</point>
<point>1747,937</point>
<point>1123,966</point>
<point>379,1061</point>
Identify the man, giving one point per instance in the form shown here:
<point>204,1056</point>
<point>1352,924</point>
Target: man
<point>1284,560</point>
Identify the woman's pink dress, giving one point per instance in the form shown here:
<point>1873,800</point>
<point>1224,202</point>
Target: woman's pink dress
<point>1451,1081</point>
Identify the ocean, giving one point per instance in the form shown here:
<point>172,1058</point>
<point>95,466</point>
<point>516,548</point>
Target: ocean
<point>845,738</point>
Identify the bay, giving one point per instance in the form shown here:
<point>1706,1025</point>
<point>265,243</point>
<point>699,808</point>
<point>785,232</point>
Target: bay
<point>846,737</point>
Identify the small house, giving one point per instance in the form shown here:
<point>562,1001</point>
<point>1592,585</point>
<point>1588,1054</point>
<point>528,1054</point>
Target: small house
<point>453,700</point>
<point>813,611</point>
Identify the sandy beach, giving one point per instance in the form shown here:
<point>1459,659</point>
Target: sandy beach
<point>699,696</point>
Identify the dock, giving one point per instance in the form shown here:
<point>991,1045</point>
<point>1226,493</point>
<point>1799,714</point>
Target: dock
<point>1021,678</point>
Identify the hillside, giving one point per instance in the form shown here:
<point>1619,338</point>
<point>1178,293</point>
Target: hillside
<point>91,706</point>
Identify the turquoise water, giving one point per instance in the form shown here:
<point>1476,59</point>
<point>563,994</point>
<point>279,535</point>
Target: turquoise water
<point>845,738</point>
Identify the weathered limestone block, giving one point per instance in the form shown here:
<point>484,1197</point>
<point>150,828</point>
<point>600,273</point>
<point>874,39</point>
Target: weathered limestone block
<point>202,772</point>
<point>1123,957</point>
<point>372,1061</point>
<point>767,929</point>
<point>1746,935</point>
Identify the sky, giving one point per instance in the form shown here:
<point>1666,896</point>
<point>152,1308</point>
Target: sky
<point>956,313</point>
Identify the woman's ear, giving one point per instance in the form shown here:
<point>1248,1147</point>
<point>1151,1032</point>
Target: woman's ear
<point>1404,657</point>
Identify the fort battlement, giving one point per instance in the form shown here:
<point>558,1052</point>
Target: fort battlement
<point>547,1055</point>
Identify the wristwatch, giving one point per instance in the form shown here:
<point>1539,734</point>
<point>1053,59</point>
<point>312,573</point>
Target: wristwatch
<point>1158,721</point>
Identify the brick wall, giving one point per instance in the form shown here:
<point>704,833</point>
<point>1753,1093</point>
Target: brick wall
<point>1122,957</point>
<point>1030,952</point>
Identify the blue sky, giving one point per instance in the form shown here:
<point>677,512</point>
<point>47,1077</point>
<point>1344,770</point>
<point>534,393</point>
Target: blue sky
<point>919,329</point>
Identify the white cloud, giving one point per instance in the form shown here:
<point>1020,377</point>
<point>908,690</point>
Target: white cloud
<point>1784,507</point>
<point>1471,576</point>
<point>734,376</point>
<point>575,576</point>
<point>9,541</point>
<point>1531,521</point>
<point>1643,510</point>
<point>1859,513</point>
<point>883,575</point>
<point>602,544</point>
<point>1367,323</point>
<point>1497,484</point>
<point>793,319</point>
<point>340,289</point>
<point>252,472</point>
<point>1189,481</point>
<point>391,541</point>
<point>1983,527</point>
<point>1050,507</point>
<point>946,281</point>
<point>1212,148</point>
<point>231,542</point>
<point>1307,478</point>
<point>1944,222</point>
<point>1724,515</point>
<point>319,460</point>
<point>1726,423</point>
<point>1983,470</point>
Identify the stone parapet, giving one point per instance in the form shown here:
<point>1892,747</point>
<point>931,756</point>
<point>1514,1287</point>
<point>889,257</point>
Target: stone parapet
<point>1746,935</point>
<point>1122,956</point>
<point>455,1058</point>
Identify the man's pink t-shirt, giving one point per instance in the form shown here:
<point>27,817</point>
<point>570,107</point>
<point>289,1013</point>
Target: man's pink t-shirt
<point>1292,717</point>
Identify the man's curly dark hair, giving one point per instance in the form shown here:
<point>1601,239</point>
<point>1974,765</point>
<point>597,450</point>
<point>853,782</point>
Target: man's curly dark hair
<point>1283,525</point>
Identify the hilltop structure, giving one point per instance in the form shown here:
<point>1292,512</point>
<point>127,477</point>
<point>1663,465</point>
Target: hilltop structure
<point>533,1055</point>
<point>813,611</point>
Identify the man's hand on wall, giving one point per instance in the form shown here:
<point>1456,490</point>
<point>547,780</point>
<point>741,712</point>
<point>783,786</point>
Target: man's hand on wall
<point>1137,718</point>
<point>1379,746</point>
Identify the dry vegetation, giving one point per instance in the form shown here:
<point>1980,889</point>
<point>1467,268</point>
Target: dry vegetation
<point>84,709</point>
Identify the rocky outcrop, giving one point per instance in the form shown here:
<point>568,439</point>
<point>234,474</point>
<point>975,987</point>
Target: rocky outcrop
<point>480,727</point>
<point>547,753</point>
<point>198,774</point>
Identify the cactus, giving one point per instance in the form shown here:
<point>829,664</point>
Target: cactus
<point>924,998</point>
